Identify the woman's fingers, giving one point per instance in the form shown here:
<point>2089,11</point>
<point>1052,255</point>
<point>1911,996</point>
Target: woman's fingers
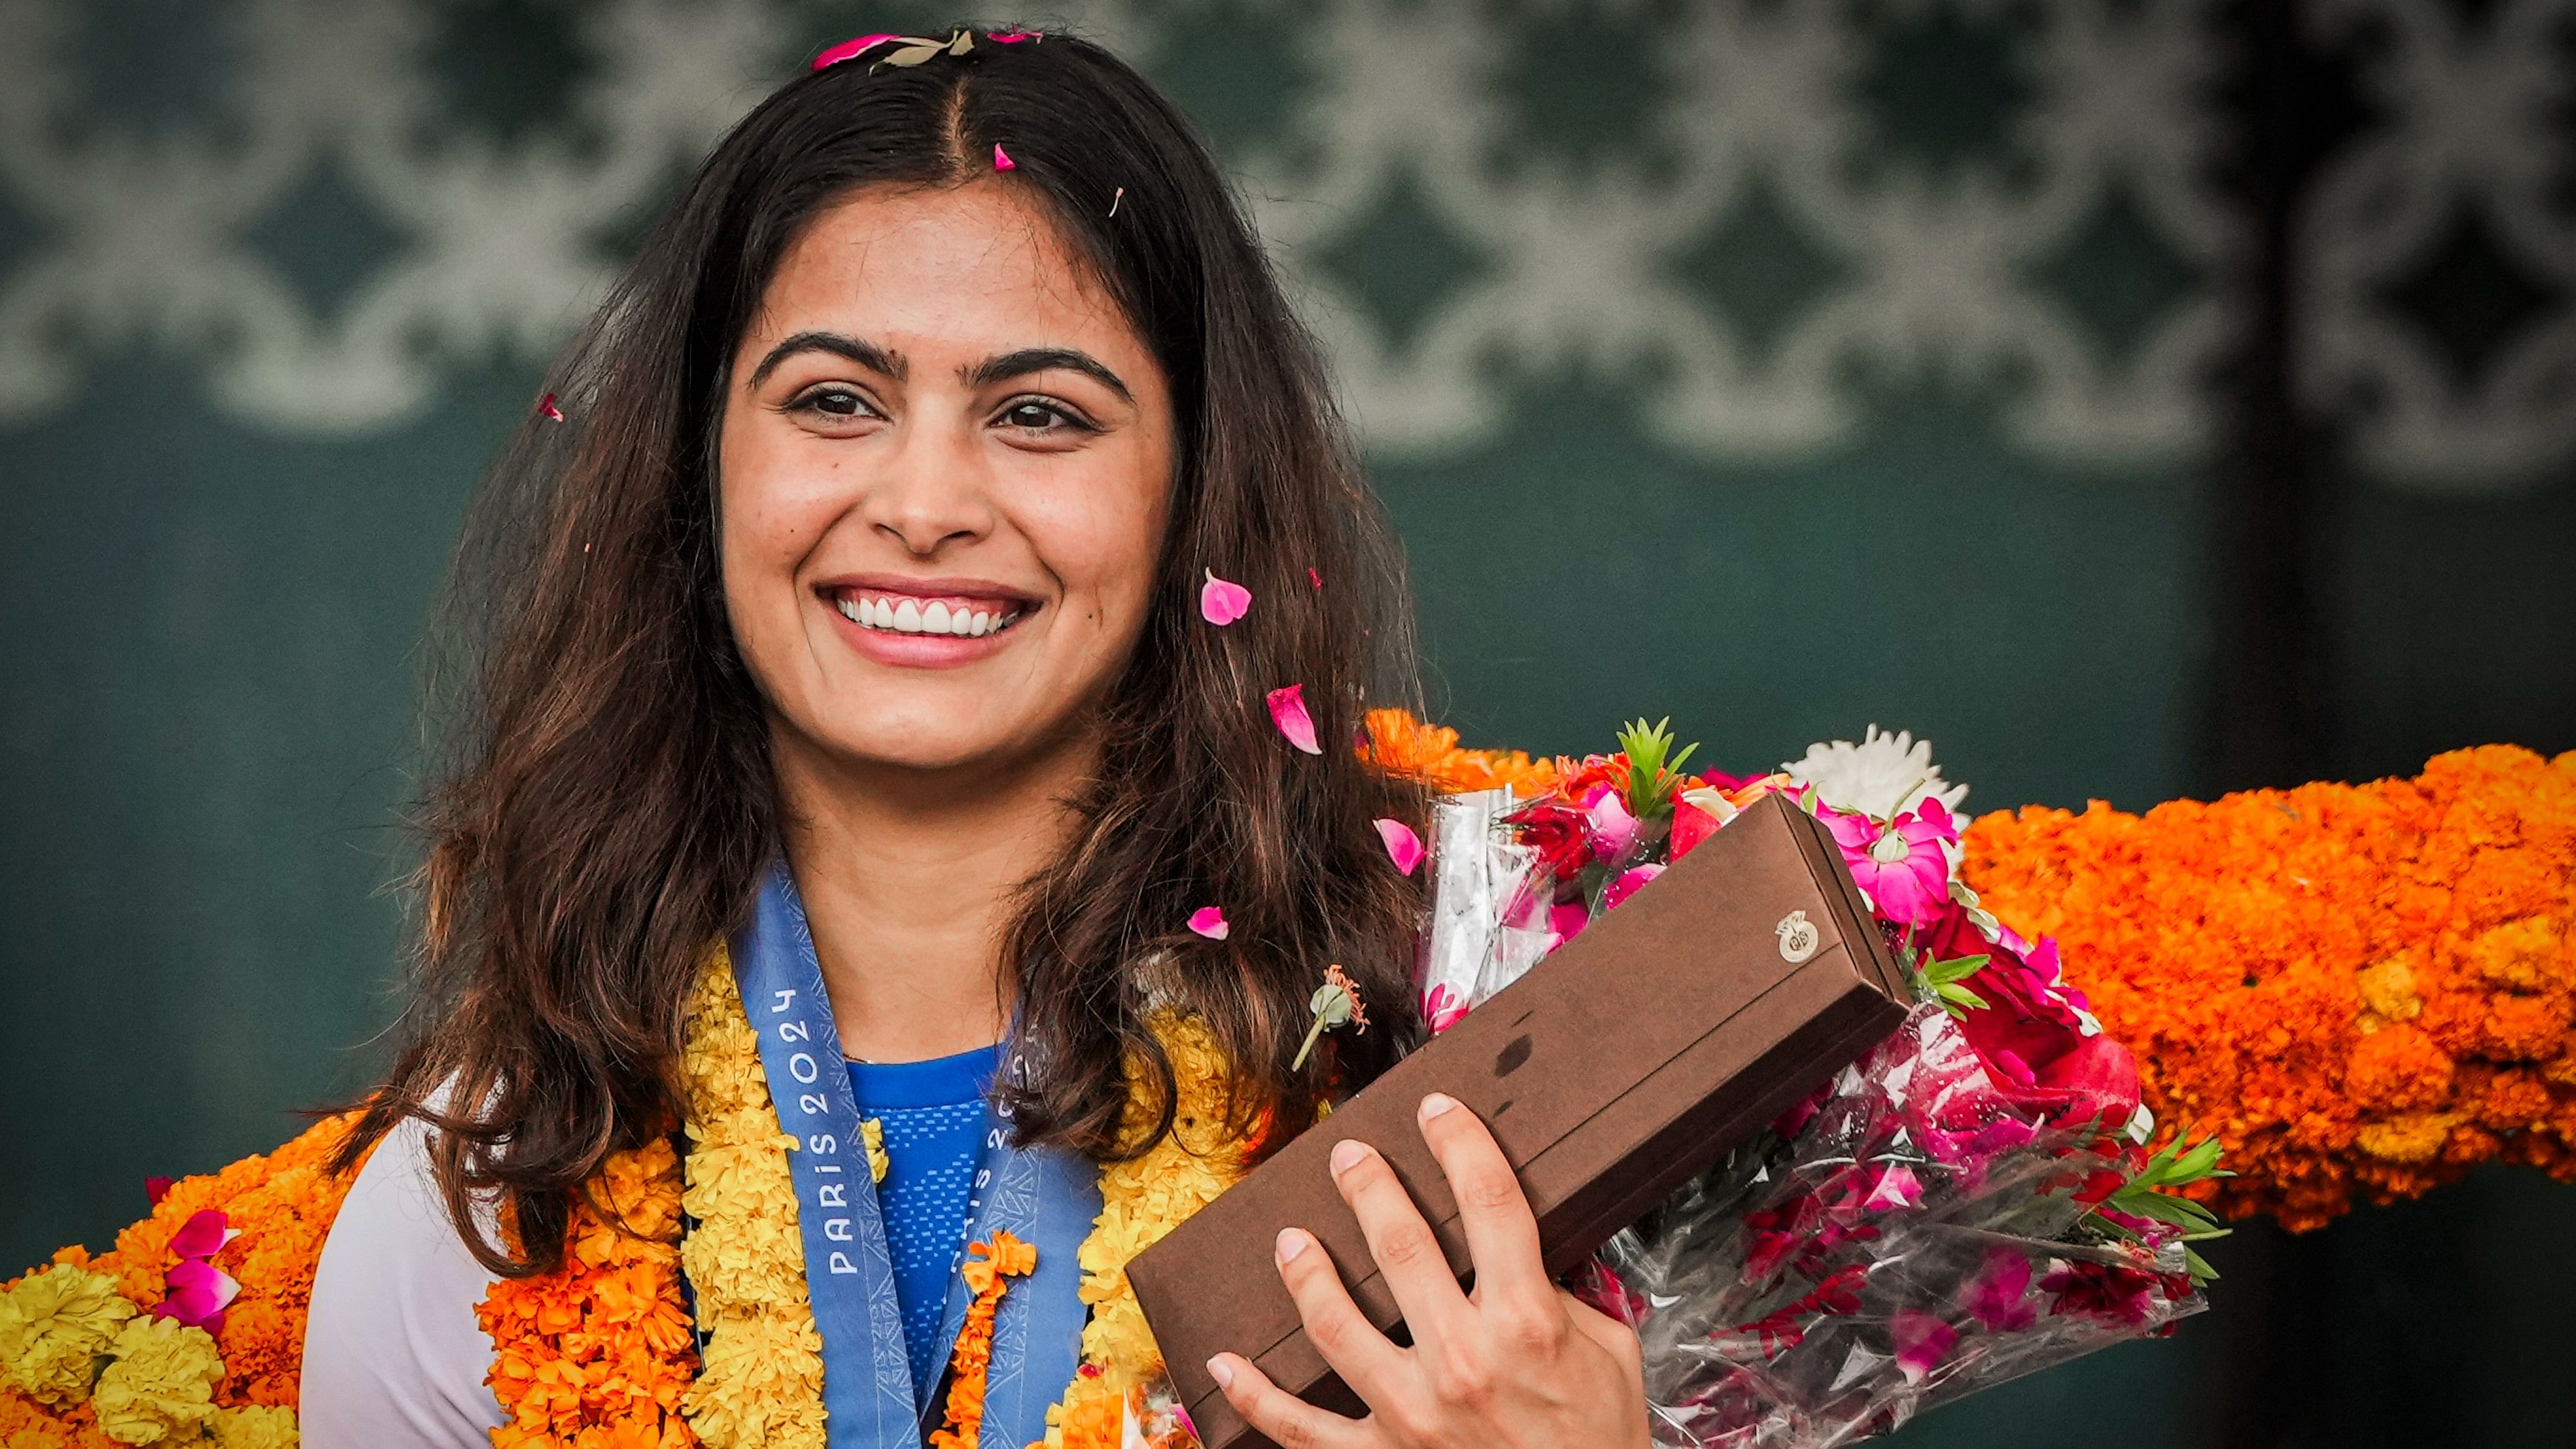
<point>1502,1233</point>
<point>1288,1421</point>
<point>1616,1337</point>
<point>1364,1357</point>
<point>1408,1256</point>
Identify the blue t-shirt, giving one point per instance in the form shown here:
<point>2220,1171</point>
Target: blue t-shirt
<point>933,1114</point>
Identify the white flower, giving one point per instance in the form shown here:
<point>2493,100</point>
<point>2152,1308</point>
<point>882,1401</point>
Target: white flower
<point>1882,777</point>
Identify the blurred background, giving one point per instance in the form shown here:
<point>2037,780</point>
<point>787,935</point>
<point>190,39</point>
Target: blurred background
<point>2140,399</point>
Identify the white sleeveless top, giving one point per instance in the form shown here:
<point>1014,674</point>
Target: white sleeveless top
<point>393,1358</point>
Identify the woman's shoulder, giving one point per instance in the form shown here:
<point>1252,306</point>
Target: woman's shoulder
<point>393,1354</point>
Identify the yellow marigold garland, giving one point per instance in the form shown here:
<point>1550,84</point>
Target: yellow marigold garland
<point>1141,1200</point>
<point>2363,989</point>
<point>762,1380</point>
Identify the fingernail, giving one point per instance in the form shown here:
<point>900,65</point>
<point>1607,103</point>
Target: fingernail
<point>1346,1155</point>
<point>1291,1243</point>
<point>1437,1103</point>
<point>1221,1371</point>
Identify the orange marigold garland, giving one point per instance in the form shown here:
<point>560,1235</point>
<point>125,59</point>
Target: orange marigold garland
<point>2363,989</point>
<point>598,1352</point>
<point>988,1270</point>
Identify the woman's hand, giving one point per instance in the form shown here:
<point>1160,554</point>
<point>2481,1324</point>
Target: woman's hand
<point>1518,1364</point>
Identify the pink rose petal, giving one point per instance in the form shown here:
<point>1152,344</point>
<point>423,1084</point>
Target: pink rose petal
<point>1318,578</point>
<point>201,1235</point>
<point>1222,601</point>
<point>547,406</point>
<point>1921,1340</point>
<point>157,1188</point>
<point>1442,1008</point>
<point>199,1292</point>
<point>1208,921</point>
<point>1288,711</point>
<point>1002,159</point>
<point>1897,1187</point>
<point>1627,884</point>
<point>851,49</point>
<point>1567,921</point>
<point>1998,1297</point>
<point>1402,845</point>
<point>1013,37</point>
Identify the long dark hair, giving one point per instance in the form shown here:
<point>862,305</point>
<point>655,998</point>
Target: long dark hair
<point>608,804</point>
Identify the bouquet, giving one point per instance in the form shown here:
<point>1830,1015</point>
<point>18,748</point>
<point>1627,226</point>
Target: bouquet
<point>1979,1197</point>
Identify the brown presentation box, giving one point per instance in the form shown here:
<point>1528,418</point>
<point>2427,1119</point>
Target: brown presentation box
<point>1630,1060</point>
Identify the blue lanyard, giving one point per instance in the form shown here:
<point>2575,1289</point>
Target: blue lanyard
<point>1044,1196</point>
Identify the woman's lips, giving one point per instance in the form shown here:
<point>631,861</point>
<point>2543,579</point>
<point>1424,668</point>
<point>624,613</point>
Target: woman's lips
<point>927,625</point>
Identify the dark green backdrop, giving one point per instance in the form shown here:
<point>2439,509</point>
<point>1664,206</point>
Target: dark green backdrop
<point>220,546</point>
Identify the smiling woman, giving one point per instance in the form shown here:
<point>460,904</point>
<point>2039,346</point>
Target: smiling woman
<point>842,760</point>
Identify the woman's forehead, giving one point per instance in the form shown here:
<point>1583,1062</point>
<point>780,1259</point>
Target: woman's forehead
<point>971,266</point>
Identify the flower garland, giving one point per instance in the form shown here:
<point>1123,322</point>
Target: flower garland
<point>2363,989</point>
<point>988,1269</point>
<point>1142,1199</point>
<point>761,1380</point>
<point>599,1350</point>
<point>96,1351</point>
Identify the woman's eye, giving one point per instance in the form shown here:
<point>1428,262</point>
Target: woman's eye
<point>1041,417</point>
<point>838,402</point>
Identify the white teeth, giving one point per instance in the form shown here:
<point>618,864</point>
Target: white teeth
<point>910,617</point>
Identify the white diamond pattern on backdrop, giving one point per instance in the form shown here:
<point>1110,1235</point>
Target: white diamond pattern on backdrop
<point>2473,151</point>
<point>1765,142</point>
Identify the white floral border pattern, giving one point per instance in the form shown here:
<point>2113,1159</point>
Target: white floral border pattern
<point>144,243</point>
<point>2468,113</point>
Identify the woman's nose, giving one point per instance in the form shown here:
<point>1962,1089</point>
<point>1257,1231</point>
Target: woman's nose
<point>934,492</point>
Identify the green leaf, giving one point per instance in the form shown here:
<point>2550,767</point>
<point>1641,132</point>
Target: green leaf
<point>1957,969</point>
<point>2199,1268</point>
<point>1951,991</point>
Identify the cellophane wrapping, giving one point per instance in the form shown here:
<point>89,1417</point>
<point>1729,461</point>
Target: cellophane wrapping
<point>1918,1236</point>
<point>1972,1201</point>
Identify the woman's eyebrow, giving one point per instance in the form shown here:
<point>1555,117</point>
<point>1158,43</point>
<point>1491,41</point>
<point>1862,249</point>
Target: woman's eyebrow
<point>1039,359</point>
<point>866,354</point>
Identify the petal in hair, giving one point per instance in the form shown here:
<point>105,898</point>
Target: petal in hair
<point>1222,601</point>
<point>1288,711</point>
<point>1208,921</point>
<point>1402,845</point>
<point>1013,37</point>
<point>851,49</point>
<point>1002,159</point>
<point>1318,578</point>
<point>547,406</point>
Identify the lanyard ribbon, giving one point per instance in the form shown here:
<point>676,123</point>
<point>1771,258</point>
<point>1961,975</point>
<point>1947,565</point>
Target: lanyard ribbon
<point>1044,1196</point>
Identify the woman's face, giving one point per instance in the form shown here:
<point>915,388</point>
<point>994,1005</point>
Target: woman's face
<point>946,462</point>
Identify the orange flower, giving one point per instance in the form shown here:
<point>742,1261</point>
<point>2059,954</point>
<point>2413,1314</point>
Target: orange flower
<point>1004,1258</point>
<point>595,1354</point>
<point>2362,989</point>
<point>1430,755</point>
